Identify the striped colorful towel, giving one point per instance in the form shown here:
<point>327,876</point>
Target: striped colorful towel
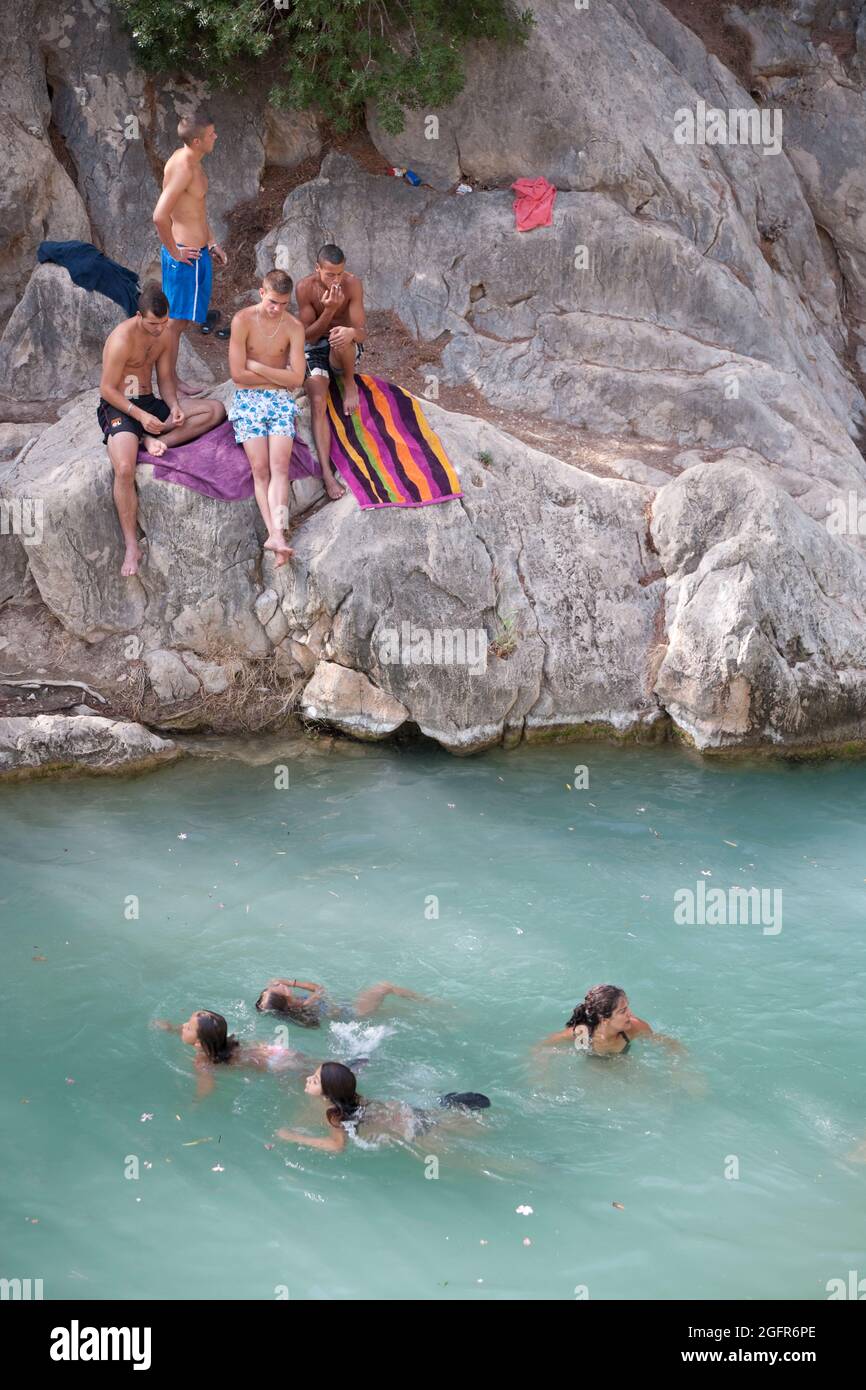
<point>386,452</point>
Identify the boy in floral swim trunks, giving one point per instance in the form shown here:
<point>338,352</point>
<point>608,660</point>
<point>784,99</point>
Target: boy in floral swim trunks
<point>266,361</point>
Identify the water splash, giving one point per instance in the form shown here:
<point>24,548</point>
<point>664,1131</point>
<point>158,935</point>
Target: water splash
<point>357,1039</point>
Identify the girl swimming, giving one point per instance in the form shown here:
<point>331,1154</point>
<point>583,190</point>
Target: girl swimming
<point>349,1115</point>
<point>604,1025</point>
<point>208,1033</point>
<point>282,997</point>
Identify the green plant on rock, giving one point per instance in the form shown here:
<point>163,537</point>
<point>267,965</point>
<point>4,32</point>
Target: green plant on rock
<point>336,55</point>
<point>504,640</point>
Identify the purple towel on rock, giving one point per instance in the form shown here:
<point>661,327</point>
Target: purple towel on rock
<point>216,466</point>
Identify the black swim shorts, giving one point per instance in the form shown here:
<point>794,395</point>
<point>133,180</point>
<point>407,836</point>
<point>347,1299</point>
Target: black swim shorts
<point>318,355</point>
<point>114,421</point>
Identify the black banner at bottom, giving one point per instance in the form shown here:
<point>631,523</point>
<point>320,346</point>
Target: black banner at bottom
<point>63,1338</point>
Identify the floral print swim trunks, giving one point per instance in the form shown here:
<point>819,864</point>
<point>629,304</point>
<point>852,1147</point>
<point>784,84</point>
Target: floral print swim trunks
<point>256,413</point>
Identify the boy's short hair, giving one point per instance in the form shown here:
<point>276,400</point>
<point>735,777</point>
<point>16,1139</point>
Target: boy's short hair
<point>279,281</point>
<point>152,301</point>
<point>330,253</point>
<point>190,128</point>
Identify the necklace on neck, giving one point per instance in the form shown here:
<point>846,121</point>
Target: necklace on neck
<point>278,327</point>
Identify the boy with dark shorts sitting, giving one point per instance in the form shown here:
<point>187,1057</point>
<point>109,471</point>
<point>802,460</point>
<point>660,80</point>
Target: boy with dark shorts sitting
<point>130,415</point>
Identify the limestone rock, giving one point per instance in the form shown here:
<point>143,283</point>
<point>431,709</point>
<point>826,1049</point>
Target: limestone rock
<point>52,345</point>
<point>764,614</point>
<point>655,338</point>
<point>13,437</point>
<point>80,743</point>
<point>349,701</point>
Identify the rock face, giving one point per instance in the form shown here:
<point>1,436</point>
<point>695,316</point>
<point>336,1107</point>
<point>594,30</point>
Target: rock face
<point>764,614</point>
<point>184,631</point>
<point>824,106</point>
<point>38,199</point>
<point>120,126</point>
<point>698,303</point>
<point>652,338</point>
<point>78,743</point>
<point>52,346</point>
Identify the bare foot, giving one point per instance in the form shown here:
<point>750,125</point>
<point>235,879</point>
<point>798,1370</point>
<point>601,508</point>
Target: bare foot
<point>334,489</point>
<point>351,400</point>
<point>187,389</point>
<point>131,560</point>
<point>281,551</point>
<point>153,446</point>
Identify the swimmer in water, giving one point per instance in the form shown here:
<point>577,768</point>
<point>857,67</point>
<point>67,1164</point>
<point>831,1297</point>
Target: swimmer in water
<point>308,1009</point>
<point>350,1116</point>
<point>604,1025</point>
<point>208,1033</point>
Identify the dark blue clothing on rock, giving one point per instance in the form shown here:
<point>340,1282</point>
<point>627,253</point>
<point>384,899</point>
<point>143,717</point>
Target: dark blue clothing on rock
<point>93,271</point>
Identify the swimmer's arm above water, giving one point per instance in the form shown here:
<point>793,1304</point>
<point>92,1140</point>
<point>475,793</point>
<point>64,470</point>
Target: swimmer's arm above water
<point>308,985</point>
<point>335,1143</point>
<point>564,1035</point>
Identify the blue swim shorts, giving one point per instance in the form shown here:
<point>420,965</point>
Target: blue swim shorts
<point>187,287</point>
<point>255,413</point>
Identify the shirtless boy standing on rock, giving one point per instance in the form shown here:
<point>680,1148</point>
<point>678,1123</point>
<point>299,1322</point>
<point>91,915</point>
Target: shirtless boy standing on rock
<point>331,307</point>
<point>180,217</point>
<point>266,361</point>
<point>130,415</point>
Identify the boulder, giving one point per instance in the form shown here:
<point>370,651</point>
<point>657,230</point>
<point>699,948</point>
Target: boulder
<point>52,345</point>
<point>347,700</point>
<point>766,641</point>
<point>78,743</point>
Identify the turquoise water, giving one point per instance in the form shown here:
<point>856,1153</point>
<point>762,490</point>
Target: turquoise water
<point>542,892</point>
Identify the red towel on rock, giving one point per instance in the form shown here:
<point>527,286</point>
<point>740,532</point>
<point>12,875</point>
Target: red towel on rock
<point>533,206</point>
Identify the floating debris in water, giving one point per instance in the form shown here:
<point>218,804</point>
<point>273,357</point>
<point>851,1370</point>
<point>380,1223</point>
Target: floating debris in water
<point>70,1081</point>
<point>181,836</point>
<point>40,957</point>
<point>619,1206</point>
<point>526,1240</point>
<point>191,1143</point>
<point>146,1116</point>
<point>217,1168</point>
<point>732,843</point>
<point>523,1211</point>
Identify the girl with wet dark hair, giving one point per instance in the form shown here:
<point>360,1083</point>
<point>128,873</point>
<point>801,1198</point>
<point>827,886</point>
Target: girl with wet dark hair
<point>604,1025</point>
<point>208,1033</point>
<point>347,1113</point>
<point>309,1008</point>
